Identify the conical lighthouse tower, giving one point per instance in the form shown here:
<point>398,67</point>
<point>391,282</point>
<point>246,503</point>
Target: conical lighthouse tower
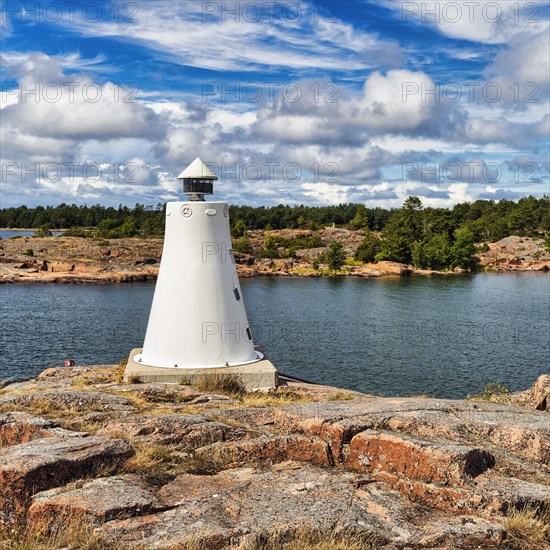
<point>198,322</point>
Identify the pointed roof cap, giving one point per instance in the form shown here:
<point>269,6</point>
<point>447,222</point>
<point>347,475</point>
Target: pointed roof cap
<point>198,170</point>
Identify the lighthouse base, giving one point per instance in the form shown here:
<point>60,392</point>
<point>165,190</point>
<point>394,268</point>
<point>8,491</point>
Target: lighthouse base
<point>261,375</point>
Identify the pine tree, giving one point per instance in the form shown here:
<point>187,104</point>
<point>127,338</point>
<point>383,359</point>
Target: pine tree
<point>335,256</point>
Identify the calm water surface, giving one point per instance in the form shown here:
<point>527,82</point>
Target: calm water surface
<point>446,336</point>
<point>10,233</point>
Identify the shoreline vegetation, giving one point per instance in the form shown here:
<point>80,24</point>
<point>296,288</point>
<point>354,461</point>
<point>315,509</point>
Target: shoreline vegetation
<point>95,261</point>
<point>346,240</point>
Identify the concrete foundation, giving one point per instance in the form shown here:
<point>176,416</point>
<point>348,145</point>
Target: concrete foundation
<point>261,375</point>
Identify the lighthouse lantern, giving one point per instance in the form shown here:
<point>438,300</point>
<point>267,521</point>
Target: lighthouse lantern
<point>198,180</point>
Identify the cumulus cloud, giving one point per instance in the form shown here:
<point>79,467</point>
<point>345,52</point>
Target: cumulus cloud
<point>50,104</point>
<point>525,60</point>
<point>495,22</point>
<point>391,103</point>
<point>256,152</point>
<point>48,120</point>
<point>522,136</point>
<point>394,102</point>
<point>477,172</point>
<point>441,196</point>
<point>521,73</point>
<point>397,103</point>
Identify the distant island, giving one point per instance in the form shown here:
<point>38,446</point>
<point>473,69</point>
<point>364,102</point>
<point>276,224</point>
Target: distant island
<point>102,244</point>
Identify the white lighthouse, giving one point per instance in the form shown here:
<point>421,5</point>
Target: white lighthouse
<point>198,322</point>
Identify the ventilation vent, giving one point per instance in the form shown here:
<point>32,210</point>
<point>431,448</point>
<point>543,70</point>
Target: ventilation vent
<point>237,294</point>
<point>248,333</point>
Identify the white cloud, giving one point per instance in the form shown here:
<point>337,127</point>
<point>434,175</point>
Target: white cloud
<point>54,113</point>
<point>220,39</point>
<point>393,102</point>
<point>495,22</point>
<point>355,141</point>
<point>82,118</point>
<point>45,68</point>
<point>523,68</point>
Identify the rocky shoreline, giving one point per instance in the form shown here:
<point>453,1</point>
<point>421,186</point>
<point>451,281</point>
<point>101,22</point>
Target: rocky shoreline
<point>79,260</point>
<point>211,467</point>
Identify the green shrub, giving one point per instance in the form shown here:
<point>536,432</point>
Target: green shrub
<point>44,231</point>
<point>463,251</point>
<point>335,256</point>
<point>78,232</point>
<point>434,252</point>
<point>298,242</point>
<point>242,244</point>
<point>269,249</point>
<point>302,242</point>
<point>494,391</point>
<point>239,229</point>
<point>368,249</point>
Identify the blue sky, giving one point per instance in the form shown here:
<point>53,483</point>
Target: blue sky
<point>288,102</point>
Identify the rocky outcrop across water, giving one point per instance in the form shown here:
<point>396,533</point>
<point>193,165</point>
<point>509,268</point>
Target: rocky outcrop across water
<point>80,260</point>
<point>164,466</point>
<point>516,254</point>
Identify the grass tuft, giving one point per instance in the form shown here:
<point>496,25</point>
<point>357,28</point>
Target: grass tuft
<point>230,385</point>
<point>150,457</point>
<point>119,375</point>
<point>529,528</point>
<point>201,466</point>
<point>162,460</point>
<point>68,532</point>
<point>341,396</point>
<point>495,392</point>
<point>271,399</point>
<point>318,539</point>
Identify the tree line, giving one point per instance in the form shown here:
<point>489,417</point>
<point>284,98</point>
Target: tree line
<point>108,222</point>
<point>430,238</point>
<point>488,220</point>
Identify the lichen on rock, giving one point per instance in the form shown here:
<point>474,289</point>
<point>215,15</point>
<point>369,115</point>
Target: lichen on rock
<point>159,465</point>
